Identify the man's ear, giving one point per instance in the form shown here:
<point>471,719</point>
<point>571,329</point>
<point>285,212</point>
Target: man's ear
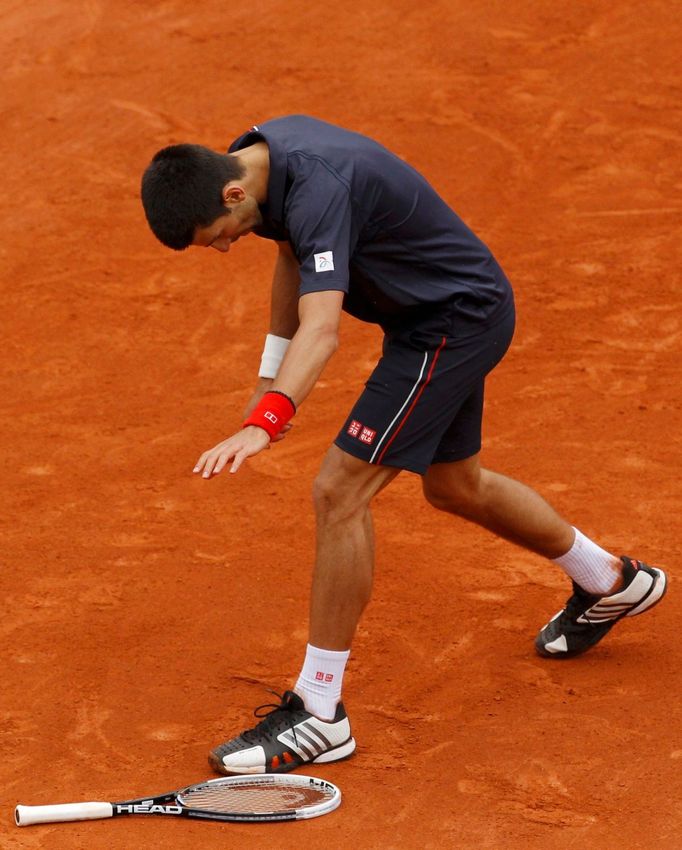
<point>232,194</point>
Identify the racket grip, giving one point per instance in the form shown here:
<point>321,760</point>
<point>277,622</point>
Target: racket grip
<point>27,815</point>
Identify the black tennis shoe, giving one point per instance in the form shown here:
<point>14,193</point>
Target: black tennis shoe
<point>587,618</point>
<point>287,737</point>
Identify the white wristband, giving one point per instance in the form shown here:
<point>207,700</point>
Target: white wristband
<point>273,354</point>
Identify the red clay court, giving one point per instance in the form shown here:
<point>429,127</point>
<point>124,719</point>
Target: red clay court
<point>146,611</point>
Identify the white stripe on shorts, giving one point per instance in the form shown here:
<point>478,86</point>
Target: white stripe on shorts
<point>412,392</point>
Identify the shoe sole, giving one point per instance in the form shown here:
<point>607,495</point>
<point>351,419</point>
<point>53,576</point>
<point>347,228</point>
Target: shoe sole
<point>340,753</point>
<point>345,751</point>
<point>650,601</point>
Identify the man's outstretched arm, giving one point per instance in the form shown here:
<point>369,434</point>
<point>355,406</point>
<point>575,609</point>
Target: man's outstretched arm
<point>312,346</point>
<point>284,321</point>
<point>286,280</point>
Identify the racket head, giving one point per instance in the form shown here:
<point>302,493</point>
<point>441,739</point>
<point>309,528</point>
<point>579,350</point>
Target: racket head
<point>260,797</point>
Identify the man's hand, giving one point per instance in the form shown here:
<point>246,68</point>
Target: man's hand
<point>245,443</point>
<point>264,384</point>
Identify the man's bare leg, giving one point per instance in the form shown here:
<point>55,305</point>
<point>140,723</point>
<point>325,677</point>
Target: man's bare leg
<point>342,581</point>
<point>504,506</point>
<point>514,511</point>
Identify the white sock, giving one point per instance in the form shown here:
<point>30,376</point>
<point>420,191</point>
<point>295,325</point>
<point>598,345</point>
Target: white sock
<point>319,684</point>
<point>590,566</point>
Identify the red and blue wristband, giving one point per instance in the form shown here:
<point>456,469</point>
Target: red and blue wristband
<point>272,412</point>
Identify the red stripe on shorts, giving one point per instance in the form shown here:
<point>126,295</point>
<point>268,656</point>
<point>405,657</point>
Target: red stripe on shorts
<point>416,399</point>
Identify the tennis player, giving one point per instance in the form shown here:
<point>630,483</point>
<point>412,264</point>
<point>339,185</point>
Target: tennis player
<point>360,230</point>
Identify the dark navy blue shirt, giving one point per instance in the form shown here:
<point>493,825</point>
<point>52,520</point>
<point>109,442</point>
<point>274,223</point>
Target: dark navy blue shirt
<point>363,221</point>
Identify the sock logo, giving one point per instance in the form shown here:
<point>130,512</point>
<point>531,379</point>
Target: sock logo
<point>324,677</point>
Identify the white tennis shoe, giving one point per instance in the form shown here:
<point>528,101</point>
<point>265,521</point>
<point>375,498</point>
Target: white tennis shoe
<point>586,619</point>
<point>287,737</point>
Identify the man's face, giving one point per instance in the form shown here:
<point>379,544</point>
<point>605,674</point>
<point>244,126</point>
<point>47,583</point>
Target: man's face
<point>241,216</point>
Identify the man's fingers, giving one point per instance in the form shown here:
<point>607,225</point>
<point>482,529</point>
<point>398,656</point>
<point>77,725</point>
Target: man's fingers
<point>237,448</point>
<point>200,463</point>
<point>222,461</point>
<point>218,459</point>
<point>239,458</point>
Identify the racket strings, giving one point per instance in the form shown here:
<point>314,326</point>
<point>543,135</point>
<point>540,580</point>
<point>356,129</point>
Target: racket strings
<point>252,796</point>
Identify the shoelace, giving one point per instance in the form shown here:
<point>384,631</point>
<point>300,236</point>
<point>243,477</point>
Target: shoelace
<point>270,719</point>
<point>577,603</point>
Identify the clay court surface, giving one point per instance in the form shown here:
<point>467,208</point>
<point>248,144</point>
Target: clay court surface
<point>146,612</point>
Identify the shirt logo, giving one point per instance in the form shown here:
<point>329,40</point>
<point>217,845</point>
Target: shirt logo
<point>324,262</point>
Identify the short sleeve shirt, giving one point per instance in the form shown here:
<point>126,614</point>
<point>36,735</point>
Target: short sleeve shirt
<point>363,221</point>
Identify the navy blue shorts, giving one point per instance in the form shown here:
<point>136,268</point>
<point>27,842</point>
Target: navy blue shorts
<point>423,403</point>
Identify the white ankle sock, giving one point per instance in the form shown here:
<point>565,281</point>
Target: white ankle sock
<point>319,684</point>
<point>590,566</point>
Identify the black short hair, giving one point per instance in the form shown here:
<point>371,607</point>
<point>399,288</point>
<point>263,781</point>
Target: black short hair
<point>182,190</point>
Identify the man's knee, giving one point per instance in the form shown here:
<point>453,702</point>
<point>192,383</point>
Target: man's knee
<point>330,491</point>
<point>345,486</point>
<point>455,488</point>
<point>335,491</point>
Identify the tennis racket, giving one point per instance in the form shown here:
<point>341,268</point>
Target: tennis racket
<point>257,797</point>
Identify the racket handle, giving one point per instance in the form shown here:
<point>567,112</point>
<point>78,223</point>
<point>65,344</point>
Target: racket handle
<point>27,815</point>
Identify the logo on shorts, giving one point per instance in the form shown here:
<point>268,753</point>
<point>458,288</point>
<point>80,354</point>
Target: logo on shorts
<point>367,435</point>
<point>362,432</point>
<point>324,262</point>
